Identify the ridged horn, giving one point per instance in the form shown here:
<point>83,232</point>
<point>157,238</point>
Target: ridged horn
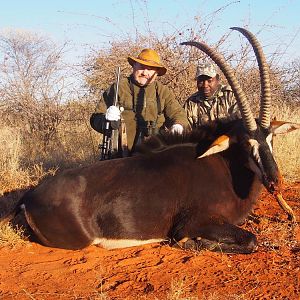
<point>248,119</point>
<point>265,100</point>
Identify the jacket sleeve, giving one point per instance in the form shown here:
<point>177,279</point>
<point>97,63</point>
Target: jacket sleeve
<point>173,111</point>
<point>97,119</point>
<point>187,106</point>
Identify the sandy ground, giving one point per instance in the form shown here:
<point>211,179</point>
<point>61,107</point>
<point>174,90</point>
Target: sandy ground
<point>160,272</point>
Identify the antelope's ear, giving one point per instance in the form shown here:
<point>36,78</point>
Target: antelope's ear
<point>281,127</point>
<point>222,143</point>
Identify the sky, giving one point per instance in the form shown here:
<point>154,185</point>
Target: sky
<point>94,23</point>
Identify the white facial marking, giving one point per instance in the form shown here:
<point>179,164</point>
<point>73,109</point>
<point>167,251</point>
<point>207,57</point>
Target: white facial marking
<point>269,141</point>
<point>255,163</point>
<point>254,145</point>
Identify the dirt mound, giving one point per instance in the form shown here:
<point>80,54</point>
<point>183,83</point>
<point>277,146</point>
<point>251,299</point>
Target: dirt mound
<point>160,272</point>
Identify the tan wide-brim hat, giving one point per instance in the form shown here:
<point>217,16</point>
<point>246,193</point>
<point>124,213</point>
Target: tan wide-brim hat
<point>149,57</point>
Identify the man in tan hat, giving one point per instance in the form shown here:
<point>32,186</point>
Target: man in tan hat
<point>148,105</point>
<point>213,100</point>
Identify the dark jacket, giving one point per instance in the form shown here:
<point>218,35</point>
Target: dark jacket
<point>153,105</point>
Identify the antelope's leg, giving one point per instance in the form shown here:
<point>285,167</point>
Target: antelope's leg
<point>225,238</point>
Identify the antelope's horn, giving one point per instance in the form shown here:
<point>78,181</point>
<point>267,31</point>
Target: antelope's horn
<point>265,100</point>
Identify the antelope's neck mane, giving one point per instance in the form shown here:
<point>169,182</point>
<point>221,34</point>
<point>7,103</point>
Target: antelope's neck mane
<point>203,135</point>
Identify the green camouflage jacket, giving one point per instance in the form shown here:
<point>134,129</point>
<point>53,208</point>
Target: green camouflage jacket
<point>221,105</point>
<point>141,107</point>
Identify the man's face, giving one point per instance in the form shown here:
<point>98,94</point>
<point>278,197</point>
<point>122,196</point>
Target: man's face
<point>143,74</point>
<point>207,85</point>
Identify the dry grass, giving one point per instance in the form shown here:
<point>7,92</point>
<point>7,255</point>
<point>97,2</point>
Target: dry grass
<point>276,235</point>
<point>10,237</point>
<point>180,290</point>
<point>12,176</point>
<point>14,180</point>
<point>10,148</point>
<point>286,149</point>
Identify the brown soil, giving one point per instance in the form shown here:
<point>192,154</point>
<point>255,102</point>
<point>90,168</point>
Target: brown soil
<point>160,272</point>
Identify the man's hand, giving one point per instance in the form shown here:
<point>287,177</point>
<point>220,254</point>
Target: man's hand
<point>176,129</point>
<point>113,113</point>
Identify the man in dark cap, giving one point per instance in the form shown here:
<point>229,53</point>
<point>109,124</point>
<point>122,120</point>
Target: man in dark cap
<point>213,100</point>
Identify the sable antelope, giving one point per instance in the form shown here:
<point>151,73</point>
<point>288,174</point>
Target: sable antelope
<point>193,192</point>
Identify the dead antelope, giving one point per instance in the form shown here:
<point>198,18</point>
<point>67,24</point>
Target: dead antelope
<point>190,190</point>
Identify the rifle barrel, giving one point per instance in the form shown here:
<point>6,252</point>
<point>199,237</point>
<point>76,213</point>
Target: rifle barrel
<point>110,137</point>
<point>118,72</point>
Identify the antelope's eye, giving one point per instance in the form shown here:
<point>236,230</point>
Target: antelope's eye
<point>244,141</point>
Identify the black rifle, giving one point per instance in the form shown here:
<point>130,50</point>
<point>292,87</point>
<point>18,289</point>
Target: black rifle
<point>109,146</point>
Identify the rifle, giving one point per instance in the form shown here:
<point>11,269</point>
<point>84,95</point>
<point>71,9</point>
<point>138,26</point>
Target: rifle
<point>110,142</point>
